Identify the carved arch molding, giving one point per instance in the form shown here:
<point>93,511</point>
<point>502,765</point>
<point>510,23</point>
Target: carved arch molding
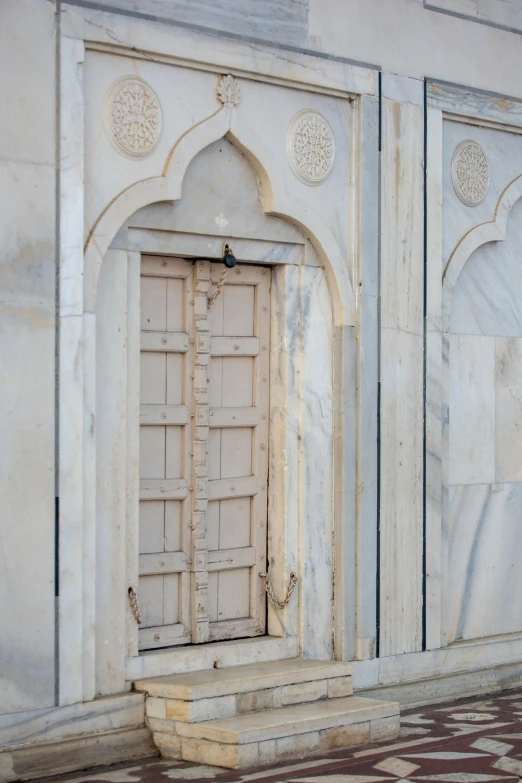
<point>493,231</point>
<point>227,123</point>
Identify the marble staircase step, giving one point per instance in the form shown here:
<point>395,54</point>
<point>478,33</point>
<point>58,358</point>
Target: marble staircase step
<point>210,683</point>
<point>285,733</point>
<point>221,693</point>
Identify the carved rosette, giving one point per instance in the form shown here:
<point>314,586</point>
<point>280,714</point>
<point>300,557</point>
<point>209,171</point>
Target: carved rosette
<point>134,117</point>
<point>470,173</point>
<point>228,91</point>
<point>310,147</point>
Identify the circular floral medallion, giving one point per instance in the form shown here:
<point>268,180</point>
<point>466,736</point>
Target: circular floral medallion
<point>470,172</point>
<point>310,147</point>
<point>134,117</point>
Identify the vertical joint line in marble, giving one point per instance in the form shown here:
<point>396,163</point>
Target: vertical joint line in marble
<point>378,499</point>
<point>424,336</point>
<point>58,92</point>
<point>200,429</point>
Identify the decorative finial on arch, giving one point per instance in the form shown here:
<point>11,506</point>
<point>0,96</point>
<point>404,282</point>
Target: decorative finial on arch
<point>228,91</point>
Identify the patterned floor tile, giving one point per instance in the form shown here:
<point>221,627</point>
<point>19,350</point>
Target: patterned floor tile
<point>471,741</point>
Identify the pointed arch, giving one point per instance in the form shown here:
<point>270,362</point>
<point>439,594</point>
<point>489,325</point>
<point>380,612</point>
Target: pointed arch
<point>275,201</point>
<point>494,231</point>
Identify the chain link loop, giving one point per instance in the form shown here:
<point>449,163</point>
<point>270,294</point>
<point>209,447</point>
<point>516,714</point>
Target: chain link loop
<point>133,600</point>
<point>270,590</point>
<point>212,298</point>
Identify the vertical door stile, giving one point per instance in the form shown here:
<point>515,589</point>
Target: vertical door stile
<point>260,448</point>
<point>200,428</point>
<point>186,528</point>
<point>165,446</point>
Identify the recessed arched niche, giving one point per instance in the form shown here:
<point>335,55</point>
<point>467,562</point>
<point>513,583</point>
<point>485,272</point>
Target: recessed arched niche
<point>483,523</point>
<point>222,202</point>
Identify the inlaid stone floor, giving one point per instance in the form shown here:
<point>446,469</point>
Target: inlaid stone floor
<point>472,741</point>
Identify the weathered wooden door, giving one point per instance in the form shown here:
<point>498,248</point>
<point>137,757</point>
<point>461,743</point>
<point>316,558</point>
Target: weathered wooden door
<point>203,451</point>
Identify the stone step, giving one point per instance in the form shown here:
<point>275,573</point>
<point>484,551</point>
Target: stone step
<point>221,693</point>
<point>208,683</point>
<point>286,733</point>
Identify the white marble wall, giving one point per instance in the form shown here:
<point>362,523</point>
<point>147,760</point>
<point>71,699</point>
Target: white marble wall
<point>504,151</point>
<point>402,283</point>
<point>27,356</point>
<point>230,208</point>
<point>316,465</point>
<point>272,20</point>
<point>482,518</point>
<point>483,469</point>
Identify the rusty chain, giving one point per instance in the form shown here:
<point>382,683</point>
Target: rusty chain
<point>270,590</point>
<point>221,284</point>
<point>133,600</point>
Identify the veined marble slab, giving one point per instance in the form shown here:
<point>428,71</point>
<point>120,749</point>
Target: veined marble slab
<point>316,466</point>
<point>484,551</point>
<point>402,283</point>
<point>488,295</point>
<point>466,101</point>
<point>508,441</point>
<point>271,20</point>
<point>228,207</point>
<point>472,409</point>
<point>497,13</point>
<point>112,712</point>
<point>504,153</point>
<point>403,89</point>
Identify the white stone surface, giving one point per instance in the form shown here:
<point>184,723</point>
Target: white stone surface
<point>27,357</point>
<point>472,656</point>
<point>315,568</point>
<point>350,27</point>
<point>212,683</point>
<point>366,405</point>
<point>401,379</point>
<point>236,653</point>
<point>225,209</point>
<point>508,404</point>
<point>493,12</point>
<point>483,561</point>
<point>434,375</point>
<point>301,719</point>
<point>402,89</point>
<point>472,410</point>
<point>111,712</point>
<point>487,297</point>
<point>503,152</point>
<point>73,623</point>
<point>111,431</point>
<point>283,487</point>
<point>274,20</point>
<point>242,189</point>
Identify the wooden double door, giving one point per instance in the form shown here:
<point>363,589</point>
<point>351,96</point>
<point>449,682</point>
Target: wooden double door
<point>204,425</point>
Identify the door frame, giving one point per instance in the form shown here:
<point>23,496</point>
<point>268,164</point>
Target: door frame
<point>282,552</point>
<point>83,672</point>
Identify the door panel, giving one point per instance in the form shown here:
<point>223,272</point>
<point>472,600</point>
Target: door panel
<point>203,452</point>
<point>165,397</point>
<point>238,453</point>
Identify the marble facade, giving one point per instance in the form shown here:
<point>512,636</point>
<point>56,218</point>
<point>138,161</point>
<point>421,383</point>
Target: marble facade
<point>396,331</point>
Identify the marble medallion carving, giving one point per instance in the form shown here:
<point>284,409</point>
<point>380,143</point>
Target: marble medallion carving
<point>228,91</point>
<point>134,117</point>
<point>310,147</point>
<point>470,172</point>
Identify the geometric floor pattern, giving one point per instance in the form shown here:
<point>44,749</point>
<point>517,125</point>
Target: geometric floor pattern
<point>472,741</point>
